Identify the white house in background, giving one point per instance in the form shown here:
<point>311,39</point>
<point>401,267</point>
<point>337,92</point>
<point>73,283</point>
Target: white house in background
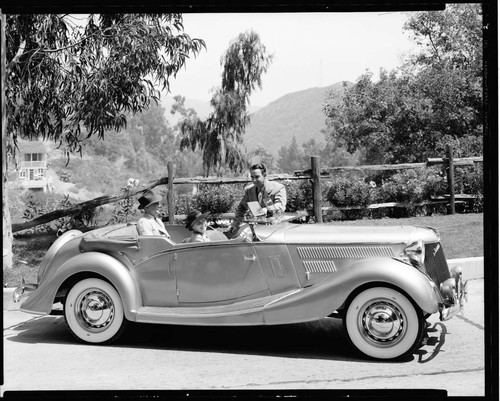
<point>32,166</point>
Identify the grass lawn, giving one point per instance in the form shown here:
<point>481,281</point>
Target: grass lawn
<point>461,236</point>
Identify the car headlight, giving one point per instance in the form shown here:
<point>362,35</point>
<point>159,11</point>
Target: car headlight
<point>415,252</point>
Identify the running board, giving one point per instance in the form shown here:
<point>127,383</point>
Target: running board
<point>243,313</point>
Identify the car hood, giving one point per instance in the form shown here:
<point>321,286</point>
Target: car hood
<point>330,233</point>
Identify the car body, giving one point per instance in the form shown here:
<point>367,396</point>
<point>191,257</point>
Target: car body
<point>382,281</point>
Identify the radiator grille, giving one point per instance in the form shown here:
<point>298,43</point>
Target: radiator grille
<point>346,252</point>
<point>435,263</point>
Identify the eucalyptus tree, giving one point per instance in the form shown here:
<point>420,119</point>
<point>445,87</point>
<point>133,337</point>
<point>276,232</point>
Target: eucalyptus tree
<point>220,136</point>
<point>68,78</point>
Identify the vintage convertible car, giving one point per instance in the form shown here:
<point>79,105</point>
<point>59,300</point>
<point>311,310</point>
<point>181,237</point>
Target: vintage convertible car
<point>382,281</point>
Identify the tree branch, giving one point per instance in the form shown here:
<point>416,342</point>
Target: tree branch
<point>19,53</point>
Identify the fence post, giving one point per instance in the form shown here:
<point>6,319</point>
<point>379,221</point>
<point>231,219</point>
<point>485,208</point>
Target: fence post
<point>317,194</point>
<point>170,194</point>
<point>451,178</point>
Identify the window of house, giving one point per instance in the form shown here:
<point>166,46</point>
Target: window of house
<point>32,174</point>
<point>22,173</point>
<point>27,157</point>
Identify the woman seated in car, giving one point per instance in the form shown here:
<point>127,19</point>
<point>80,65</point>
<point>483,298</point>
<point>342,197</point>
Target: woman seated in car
<point>197,223</point>
<point>150,223</point>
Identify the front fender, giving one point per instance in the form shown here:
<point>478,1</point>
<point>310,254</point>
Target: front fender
<point>322,299</point>
<point>41,301</point>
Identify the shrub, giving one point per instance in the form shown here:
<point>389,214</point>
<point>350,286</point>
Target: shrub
<point>124,210</point>
<point>470,181</point>
<point>299,195</point>
<point>79,220</point>
<point>349,191</point>
<point>216,199</point>
<point>345,191</point>
<point>38,203</point>
<point>410,186</point>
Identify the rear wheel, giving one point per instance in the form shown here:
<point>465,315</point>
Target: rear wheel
<point>94,312</point>
<point>383,323</point>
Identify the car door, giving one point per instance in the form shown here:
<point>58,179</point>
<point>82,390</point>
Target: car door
<point>218,273</point>
<point>155,271</point>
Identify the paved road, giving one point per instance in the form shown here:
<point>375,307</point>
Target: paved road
<point>40,354</point>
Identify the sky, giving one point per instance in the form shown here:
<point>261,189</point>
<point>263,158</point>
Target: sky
<point>310,49</point>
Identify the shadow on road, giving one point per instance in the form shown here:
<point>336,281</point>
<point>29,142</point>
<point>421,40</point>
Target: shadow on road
<point>322,339</point>
<point>433,343</point>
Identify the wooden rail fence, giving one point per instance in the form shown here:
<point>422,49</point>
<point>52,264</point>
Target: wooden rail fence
<point>315,174</point>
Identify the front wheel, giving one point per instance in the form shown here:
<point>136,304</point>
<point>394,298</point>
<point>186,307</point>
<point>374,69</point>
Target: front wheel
<point>94,312</point>
<point>383,323</point>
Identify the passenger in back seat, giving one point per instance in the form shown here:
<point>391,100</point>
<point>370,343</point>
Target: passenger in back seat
<point>151,224</point>
<point>196,222</point>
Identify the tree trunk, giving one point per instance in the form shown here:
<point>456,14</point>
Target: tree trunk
<point>6,226</point>
<point>6,222</point>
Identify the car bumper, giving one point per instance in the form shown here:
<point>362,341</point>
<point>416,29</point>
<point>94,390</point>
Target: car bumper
<point>456,292</point>
<point>23,291</point>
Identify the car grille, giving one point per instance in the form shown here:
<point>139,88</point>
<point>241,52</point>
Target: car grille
<point>435,263</point>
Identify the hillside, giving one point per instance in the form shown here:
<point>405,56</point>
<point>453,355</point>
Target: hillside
<point>299,113</point>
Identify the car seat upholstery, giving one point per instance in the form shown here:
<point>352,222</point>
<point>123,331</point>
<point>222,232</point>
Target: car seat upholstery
<point>130,231</point>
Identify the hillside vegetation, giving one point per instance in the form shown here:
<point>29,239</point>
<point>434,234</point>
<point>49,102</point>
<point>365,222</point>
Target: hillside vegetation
<point>298,114</point>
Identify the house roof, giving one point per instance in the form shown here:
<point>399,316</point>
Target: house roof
<point>31,146</point>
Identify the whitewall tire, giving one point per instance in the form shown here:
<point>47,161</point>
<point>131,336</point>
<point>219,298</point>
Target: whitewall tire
<point>383,323</point>
<point>94,312</point>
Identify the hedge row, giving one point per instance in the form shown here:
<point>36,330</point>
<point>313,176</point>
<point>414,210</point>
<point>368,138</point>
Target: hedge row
<point>351,189</point>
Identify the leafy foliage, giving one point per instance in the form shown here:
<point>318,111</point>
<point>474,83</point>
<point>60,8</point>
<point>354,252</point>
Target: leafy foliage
<point>220,136</point>
<point>412,186</point>
<point>435,98</point>
<point>216,199</point>
<point>124,209</point>
<point>346,191</point>
<point>37,204</point>
<point>469,180</point>
<point>299,195</point>
<point>65,82</point>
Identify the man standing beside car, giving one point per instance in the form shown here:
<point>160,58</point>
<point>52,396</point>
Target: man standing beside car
<point>270,195</point>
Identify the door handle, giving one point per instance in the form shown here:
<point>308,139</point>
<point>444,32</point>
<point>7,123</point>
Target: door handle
<point>252,258</point>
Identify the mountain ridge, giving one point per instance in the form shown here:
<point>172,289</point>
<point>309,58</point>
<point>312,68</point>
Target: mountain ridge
<point>298,114</point>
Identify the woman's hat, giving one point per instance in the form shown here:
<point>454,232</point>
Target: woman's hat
<point>148,199</point>
<point>195,216</point>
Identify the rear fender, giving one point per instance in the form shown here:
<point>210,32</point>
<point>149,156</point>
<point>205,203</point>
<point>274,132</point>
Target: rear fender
<point>322,299</point>
<point>91,264</point>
